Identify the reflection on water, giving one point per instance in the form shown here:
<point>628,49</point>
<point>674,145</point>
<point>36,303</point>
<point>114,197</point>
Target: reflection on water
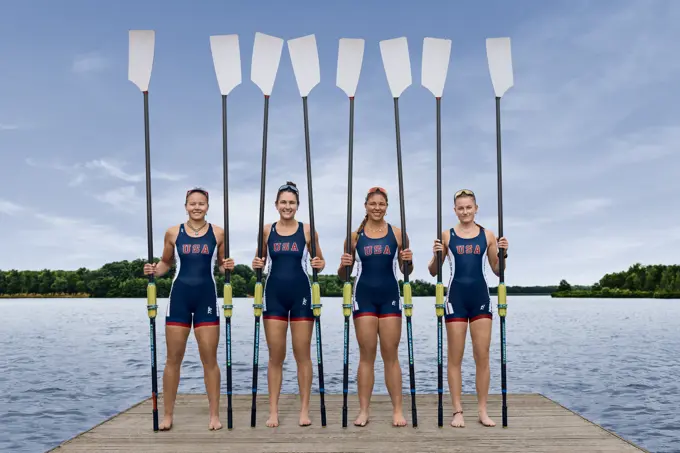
<point>69,364</point>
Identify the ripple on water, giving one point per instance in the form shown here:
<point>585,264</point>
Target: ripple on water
<point>90,361</point>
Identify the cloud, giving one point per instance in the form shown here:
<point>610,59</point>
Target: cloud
<point>9,208</point>
<point>90,62</point>
<point>8,127</point>
<point>124,199</point>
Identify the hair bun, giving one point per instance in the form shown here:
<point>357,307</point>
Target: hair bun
<point>291,183</point>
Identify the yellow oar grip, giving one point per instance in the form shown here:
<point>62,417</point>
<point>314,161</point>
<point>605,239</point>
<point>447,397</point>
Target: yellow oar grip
<point>502,300</point>
<point>347,299</point>
<point>408,305</point>
<point>439,303</point>
<point>316,299</point>
<point>151,306</point>
<point>227,300</point>
<point>258,299</point>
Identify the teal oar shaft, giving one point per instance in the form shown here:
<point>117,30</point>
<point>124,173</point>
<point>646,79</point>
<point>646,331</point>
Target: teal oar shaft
<point>151,289</point>
<point>502,305</point>
<point>407,288</point>
<point>227,274</point>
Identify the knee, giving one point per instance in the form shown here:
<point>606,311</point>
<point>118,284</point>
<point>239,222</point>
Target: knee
<point>276,358</point>
<point>481,356</point>
<point>302,357</point>
<point>390,355</point>
<point>174,360</point>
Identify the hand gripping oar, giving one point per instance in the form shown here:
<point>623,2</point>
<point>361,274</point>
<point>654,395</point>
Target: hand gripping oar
<point>305,59</point>
<point>435,65</point>
<point>263,69</point>
<point>500,67</point>
<point>140,63</point>
<point>395,58</point>
<point>350,58</point>
<point>227,61</point>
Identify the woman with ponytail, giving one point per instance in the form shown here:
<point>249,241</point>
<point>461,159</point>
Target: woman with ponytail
<point>377,301</point>
<point>288,298</point>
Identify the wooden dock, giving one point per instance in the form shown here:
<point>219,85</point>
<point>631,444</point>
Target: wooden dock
<point>535,424</point>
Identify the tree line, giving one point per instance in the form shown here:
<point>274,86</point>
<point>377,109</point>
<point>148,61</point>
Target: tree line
<point>651,281</point>
<point>126,279</point>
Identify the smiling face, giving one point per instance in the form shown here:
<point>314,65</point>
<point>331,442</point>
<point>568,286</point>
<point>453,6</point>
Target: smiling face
<point>466,208</point>
<point>376,206</point>
<point>287,205</point>
<point>196,206</point>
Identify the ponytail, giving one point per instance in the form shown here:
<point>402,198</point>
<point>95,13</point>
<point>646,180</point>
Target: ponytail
<point>363,224</point>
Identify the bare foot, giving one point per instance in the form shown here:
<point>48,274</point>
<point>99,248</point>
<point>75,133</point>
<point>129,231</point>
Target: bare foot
<point>304,417</point>
<point>215,423</point>
<point>398,419</point>
<point>362,419</point>
<point>166,424</point>
<point>458,421</point>
<point>273,420</point>
<point>485,420</point>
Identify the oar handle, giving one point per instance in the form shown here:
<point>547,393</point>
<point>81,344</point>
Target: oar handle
<point>257,305</point>
<point>408,301</point>
<point>151,305</point>
<point>227,306</point>
<point>316,299</point>
<point>439,299</point>
<point>347,299</point>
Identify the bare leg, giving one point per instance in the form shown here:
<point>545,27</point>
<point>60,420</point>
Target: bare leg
<point>366,329</point>
<point>208,337</point>
<point>275,331</point>
<point>301,331</point>
<point>455,335</point>
<point>389,330</point>
<point>480,331</point>
<point>176,342</point>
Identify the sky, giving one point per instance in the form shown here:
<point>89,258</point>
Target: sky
<point>590,137</point>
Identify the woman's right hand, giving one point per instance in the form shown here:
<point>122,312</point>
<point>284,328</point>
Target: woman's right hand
<point>258,263</point>
<point>346,260</point>
<point>149,268</point>
<point>437,247</point>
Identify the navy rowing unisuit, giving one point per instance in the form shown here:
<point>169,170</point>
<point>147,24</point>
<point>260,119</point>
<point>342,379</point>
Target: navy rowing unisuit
<point>288,291</point>
<point>468,292</point>
<point>376,288</point>
<point>193,295</point>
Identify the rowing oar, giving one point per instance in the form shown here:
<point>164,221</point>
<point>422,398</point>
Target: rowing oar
<point>395,58</point>
<point>263,69</point>
<point>350,58</point>
<point>227,61</point>
<point>435,66</point>
<point>305,59</point>
<point>140,63</point>
<point>500,67</point>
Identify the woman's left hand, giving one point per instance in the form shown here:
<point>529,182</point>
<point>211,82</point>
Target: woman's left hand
<point>503,243</point>
<point>228,264</point>
<point>406,255</point>
<point>318,263</point>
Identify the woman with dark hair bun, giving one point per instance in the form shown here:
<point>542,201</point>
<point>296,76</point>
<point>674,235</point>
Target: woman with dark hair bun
<point>288,298</point>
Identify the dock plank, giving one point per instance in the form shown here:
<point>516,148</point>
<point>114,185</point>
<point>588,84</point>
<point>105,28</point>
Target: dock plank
<point>535,424</point>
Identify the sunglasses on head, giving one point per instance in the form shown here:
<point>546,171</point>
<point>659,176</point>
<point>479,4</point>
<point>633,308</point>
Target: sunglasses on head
<point>289,187</point>
<point>462,192</point>
<point>198,189</point>
<point>377,189</point>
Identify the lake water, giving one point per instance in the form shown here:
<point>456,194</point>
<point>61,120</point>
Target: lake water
<point>66,365</point>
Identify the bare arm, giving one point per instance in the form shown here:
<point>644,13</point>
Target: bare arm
<point>432,265</point>
<point>168,256</point>
<point>492,253</point>
<point>341,267</point>
<point>397,234</point>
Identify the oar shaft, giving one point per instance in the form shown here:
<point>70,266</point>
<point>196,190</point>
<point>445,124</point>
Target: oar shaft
<point>227,306</point>
<point>263,177</point>
<point>347,289</point>
<point>310,196</point>
<point>402,210</point>
<point>502,296</point>
<point>439,308</point>
<point>151,287</point>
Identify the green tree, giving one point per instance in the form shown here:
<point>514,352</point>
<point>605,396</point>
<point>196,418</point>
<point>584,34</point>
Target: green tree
<point>564,286</point>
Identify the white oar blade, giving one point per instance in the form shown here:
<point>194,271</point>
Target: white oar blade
<point>265,63</point>
<point>305,58</point>
<point>435,65</point>
<point>500,64</point>
<point>140,57</point>
<point>397,64</point>
<point>227,61</point>
<point>350,59</point>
